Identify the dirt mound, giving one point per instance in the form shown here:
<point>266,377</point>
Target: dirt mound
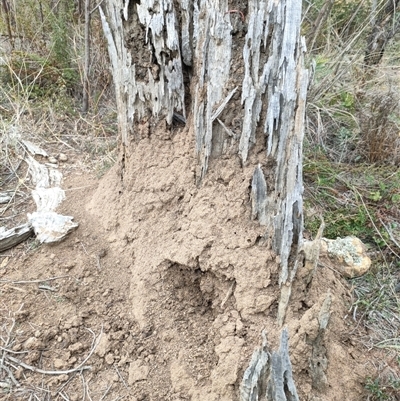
<point>204,287</point>
<point>166,286</point>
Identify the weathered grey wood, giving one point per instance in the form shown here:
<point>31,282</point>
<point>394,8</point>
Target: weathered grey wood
<point>222,106</point>
<point>158,87</point>
<point>269,375</point>
<point>254,382</point>
<point>33,148</point>
<point>259,196</point>
<point>271,108</point>
<point>15,236</point>
<point>274,75</point>
<point>386,23</point>
<point>280,386</point>
<point>319,358</point>
<point>212,52</point>
<point>6,196</point>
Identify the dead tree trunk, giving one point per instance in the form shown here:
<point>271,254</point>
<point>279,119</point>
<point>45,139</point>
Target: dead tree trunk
<point>233,75</point>
<point>386,24</point>
<point>86,85</point>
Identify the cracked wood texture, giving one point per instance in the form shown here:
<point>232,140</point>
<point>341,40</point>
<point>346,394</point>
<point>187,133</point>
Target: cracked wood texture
<point>193,61</point>
<point>151,43</point>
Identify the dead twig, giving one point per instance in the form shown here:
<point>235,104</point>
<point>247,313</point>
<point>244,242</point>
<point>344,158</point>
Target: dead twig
<point>79,368</point>
<point>63,396</point>
<point>228,294</point>
<point>13,352</point>
<point>10,375</point>
<point>390,234</point>
<point>106,392</point>
<point>223,104</point>
<point>46,287</point>
<point>83,387</point>
<point>120,376</point>
<point>48,372</point>
<point>33,281</point>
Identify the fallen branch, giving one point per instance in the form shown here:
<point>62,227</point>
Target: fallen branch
<point>33,281</point>
<point>79,368</point>
<point>15,236</point>
<point>223,104</point>
<point>10,375</point>
<point>47,372</point>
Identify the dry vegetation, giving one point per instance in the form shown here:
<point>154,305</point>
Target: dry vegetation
<point>41,74</point>
<point>352,161</point>
<point>352,144</point>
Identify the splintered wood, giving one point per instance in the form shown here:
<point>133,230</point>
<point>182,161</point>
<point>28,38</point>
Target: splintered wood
<point>154,84</point>
<point>269,375</point>
<point>153,42</point>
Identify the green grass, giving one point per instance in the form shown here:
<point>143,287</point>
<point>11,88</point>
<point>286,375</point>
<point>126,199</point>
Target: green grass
<point>360,200</point>
<point>380,389</point>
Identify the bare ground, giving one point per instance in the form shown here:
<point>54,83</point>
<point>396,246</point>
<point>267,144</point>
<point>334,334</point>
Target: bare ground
<point>166,287</point>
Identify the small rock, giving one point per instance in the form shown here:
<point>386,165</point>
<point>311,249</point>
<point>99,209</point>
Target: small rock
<point>63,378</point>
<point>112,238</point>
<point>239,327</point>
<point>17,347</point>
<point>62,157</point>
<point>52,160</point>
<point>59,363</point>
<point>228,329</point>
<point>75,321</point>
<point>33,356</point>
<point>102,253</point>
<point>18,373</point>
<point>348,255</point>
<point>76,347</point>
<point>109,359</point>
<point>22,314</point>
<point>103,346</point>
<point>137,372</point>
<point>33,343</point>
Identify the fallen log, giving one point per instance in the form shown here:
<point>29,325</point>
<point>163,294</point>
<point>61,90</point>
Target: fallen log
<point>15,236</point>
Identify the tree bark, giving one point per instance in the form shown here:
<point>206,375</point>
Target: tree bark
<point>7,16</point>
<point>318,23</point>
<point>236,78</point>
<point>385,26</point>
<point>86,85</point>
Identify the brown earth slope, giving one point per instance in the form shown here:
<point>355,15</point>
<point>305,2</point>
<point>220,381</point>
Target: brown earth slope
<point>170,286</point>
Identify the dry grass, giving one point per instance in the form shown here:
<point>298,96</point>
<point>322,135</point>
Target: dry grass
<point>377,310</point>
<point>55,124</point>
<point>351,169</point>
